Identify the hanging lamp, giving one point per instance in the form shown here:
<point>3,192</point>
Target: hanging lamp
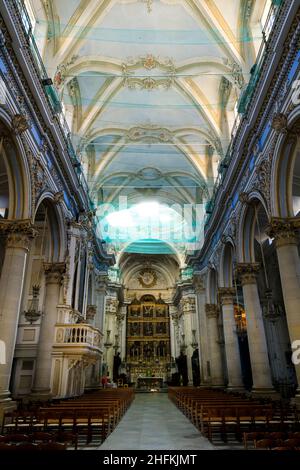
<point>33,313</point>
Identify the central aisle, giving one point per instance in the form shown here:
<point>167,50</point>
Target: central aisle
<point>153,422</point>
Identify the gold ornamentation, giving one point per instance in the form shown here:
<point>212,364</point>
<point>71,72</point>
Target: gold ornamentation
<point>149,62</point>
<point>147,278</point>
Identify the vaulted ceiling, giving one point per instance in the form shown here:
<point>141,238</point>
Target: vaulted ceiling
<point>149,88</point>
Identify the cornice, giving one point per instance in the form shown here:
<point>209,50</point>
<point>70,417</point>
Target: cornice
<point>71,185</point>
<point>247,135</point>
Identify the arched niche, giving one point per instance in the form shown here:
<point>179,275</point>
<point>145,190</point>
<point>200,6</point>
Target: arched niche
<point>49,221</point>
<point>212,286</point>
<point>254,220</point>
<point>226,265</point>
<point>285,175</point>
<point>259,248</point>
<point>15,184</point>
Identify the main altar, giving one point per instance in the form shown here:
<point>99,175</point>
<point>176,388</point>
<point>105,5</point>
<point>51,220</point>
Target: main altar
<point>148,342</point>
<point>149,383</point>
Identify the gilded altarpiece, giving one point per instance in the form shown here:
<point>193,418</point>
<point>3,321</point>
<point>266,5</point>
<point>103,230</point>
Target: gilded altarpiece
<point>148,338</point>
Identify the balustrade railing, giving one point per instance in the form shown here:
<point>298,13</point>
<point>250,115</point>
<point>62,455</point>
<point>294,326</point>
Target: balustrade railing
<point>78,335</point>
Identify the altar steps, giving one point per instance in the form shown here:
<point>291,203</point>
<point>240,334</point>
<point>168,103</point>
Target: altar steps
<point>147,390</point>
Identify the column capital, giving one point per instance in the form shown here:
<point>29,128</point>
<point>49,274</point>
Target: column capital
<point>248,272</point>
<point>54,272</point>
<point>19,232</point>
<point>188,304</point>
<point>101,283</point>
<point>211,310</point>
<point>91,311</point>
<point>284,230</point>
<point>198,283</point>
<point>226,295</point>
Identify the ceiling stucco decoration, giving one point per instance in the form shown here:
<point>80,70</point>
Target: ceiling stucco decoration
<point>150,82</point>
<point>62,72</point>
<point>148,132</point>
<point>149,4</point>
<point>149,90</point>
<point>149,174</point>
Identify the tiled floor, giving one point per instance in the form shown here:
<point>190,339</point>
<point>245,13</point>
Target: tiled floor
<point>153,422</point>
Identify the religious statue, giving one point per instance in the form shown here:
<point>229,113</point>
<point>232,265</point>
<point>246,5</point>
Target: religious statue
<point>161,349</point>
<point>160,311</point>
<point>135,350</point>
<point>181,362</point>
<point>148,329</point>
<point>116,367</point>
<point>135,330</point>
<point>148,311</point>
<point>161,328</point>
<point>148,351</point>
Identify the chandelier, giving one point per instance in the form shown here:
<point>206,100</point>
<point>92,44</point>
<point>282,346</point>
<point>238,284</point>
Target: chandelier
<point>33,313</point>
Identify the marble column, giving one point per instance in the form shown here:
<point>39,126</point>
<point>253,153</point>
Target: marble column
<point>174,322</point>
<point>122,320</point>
<point>187,306</point>
<point>101,286</point>
<point>261,371</point>
<point>110,331</point>
<point>285,233</point>
<point>173,346</point>
<point>232,352</point>
<point>100,293</point>
<point>203,337</point>
<point>215,362</point>
<point>42,379</point>
<point>19,235</point>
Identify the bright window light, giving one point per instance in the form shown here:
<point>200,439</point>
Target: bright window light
<point>146,220</point>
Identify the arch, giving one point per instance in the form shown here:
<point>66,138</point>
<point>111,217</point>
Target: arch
<point>166,266</point>
<point>18,174</point>
<point>286,157</point>
<point>212,286</point>
<point>170,247</point>
<point>248,225</point>
<point>226,265</point>
<point>55,226</point>
<point>148,298</point>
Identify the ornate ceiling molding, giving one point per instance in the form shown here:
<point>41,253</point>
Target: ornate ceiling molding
<point>149,63</point>
<point>149,133</point>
